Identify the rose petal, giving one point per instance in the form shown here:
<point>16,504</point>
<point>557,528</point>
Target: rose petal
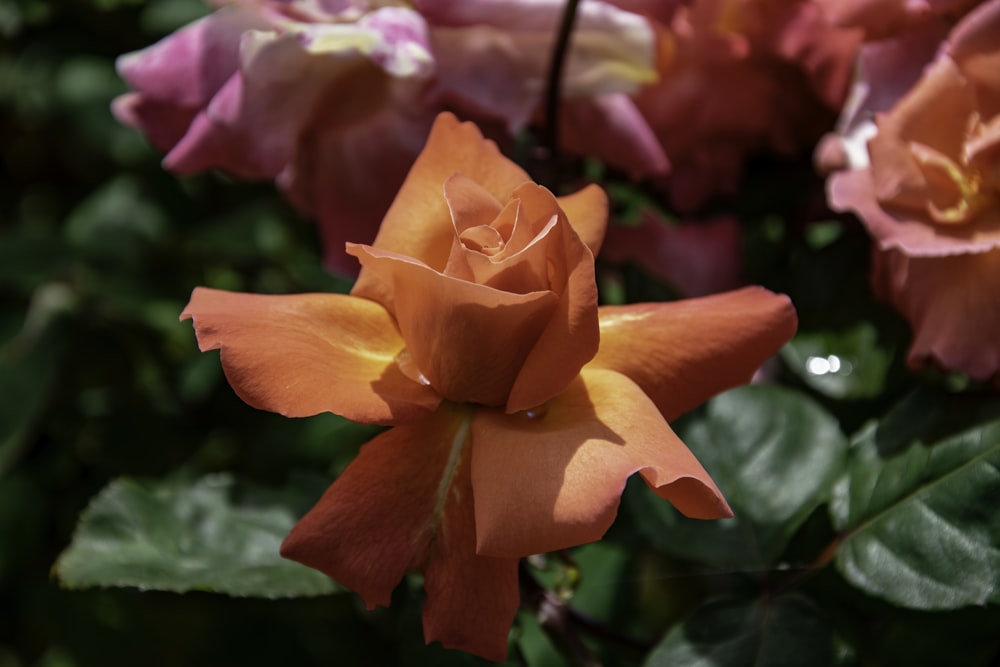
<point>346,177</point>
<point>611,127</point>
<point>469,341</point>
<point>951,304</point>
<point>405,504</point>
<point>470,204</point>
<point>188,67</point>
<point>696,258</point>
<point>300,355</point>
<point>935,114</point>
<point>525,263</point>
<point>587,212</point>
<point>975,46</point>
<point>683,352</point>
<point>909,232</point>
<point>467,263</point>
<point>252,125</point>
<point>554,479</point>
<point>163,124</point>
<point>494,55</point>
<point>418,223</point>
<point>571,336</point>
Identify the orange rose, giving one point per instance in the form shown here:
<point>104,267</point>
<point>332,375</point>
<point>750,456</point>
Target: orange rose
<point>474,329</point>
<point>491,287</point>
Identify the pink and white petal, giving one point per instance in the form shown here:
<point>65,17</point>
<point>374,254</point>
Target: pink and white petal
<point>300,355</point>
<point>485,71</point>
<point>554,478</point>
<point>405,504</point>
<point>188,67</point>
<point>212,143</point>
<point>469,341</point>
<point>540,15</point>
<point>612,48</point>
<point>402,45</point>
<point>682,353</point>
<point>253,125</point>
<point>951,304</point>
<point>418,223</point>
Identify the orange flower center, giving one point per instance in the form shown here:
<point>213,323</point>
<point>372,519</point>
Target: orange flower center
<point>958,189</point>
<point>483,239</point>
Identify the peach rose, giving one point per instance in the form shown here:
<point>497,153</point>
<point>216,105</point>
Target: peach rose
<point>931,199</point>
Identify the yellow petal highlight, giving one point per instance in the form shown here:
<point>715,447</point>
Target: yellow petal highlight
<point>299,355</point>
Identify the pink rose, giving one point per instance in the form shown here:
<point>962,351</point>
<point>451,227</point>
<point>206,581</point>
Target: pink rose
<point>335,100</point>
<point>746,77</point>
<point>931,199</point>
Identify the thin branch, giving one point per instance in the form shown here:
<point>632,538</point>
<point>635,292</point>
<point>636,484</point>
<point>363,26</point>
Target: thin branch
<point>564,625</point>
<point>550,131</point>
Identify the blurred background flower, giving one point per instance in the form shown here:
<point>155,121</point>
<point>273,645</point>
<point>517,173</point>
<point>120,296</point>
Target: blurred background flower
<point>928,190</point>
<point>334,101</point>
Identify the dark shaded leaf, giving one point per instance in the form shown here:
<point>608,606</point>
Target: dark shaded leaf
<point>921,527</point>
<point>774,454</point>
<point>788,631</point>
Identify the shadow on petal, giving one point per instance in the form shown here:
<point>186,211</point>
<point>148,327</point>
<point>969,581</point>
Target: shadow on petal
<point>403,505</point>
<point>552,478</point>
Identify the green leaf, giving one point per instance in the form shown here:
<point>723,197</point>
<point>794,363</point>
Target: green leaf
<point>117,221</point>
<point>921,527</point>
<point>774,453</point>
<point>787,631</point>
<point>209,534</point>
<point>844,364</point>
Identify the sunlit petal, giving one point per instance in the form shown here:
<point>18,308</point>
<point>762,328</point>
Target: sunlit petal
<point>552,478</point>
<point>683,352</point>
<point>303,354</point>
